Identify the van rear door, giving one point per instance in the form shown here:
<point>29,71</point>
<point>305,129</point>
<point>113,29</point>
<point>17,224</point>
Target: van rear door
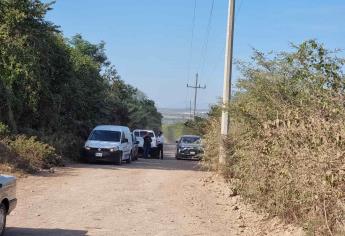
<point>139,135</point>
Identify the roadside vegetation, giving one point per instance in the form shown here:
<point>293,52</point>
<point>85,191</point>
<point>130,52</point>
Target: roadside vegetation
<point>173,131</point>
<point>57,89</point>
<point>286,150</point>
<point>196,126</point>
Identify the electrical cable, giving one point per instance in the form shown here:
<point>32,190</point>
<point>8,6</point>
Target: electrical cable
<point>191,52</point>
<point>219,55</point>
<point>208,31</point>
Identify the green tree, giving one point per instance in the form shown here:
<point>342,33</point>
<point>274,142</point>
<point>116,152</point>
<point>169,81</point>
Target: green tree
<point>57,88</point>
<point>23,31</point>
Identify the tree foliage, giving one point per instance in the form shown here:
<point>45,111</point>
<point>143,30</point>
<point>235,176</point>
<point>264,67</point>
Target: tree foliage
<point>58,88</point>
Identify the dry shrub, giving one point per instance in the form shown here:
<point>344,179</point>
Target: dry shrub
<point>211,141</point>
<point>6,153</point>
<point>28,154</point>
<point>295,169</point>
<point>286,149</point>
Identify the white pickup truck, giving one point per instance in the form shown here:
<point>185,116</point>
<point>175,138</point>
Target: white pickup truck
<point>139,134</point>
<point>8,199</point>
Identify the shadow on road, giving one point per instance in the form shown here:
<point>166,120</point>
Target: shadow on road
<point>44,232</point>
<point>165,164</point>
<point>168,163</point>
<point>153,164</point>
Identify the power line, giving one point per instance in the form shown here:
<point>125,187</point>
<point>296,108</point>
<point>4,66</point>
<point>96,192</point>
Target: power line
<point>220,54</point>
<point>208,31</point>
<point>191,49</point>
<point>192,39</point>
<point>239,8</point>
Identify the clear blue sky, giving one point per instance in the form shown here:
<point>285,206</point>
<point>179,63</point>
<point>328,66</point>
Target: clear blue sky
<point>149,40</point>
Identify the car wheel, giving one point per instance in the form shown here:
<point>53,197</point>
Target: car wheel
<point>3,214</point>
<point>129,160</point>
<point>132,156</point>
<point>119,159</point>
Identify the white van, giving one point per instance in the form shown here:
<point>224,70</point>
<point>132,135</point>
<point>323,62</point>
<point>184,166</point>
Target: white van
<point>109,143</point>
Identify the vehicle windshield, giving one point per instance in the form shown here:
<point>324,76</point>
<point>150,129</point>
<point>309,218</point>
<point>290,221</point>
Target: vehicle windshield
<point>143,133</point>
<point>106,135</point>
<point>190,140</point>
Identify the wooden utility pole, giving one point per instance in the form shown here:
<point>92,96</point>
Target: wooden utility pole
<point>225,122</point>
<point>196,87</point>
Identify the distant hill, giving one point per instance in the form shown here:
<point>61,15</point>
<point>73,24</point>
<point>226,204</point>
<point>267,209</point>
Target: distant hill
<point>175,115</point>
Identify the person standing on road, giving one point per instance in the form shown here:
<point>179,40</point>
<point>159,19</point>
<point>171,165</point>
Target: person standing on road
<point>147,145</point>
<point>160,144</point>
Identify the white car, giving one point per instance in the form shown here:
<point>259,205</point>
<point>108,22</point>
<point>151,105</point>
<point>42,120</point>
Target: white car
<point>109,143</point>
<point>139,134</point>
<point>8,199</point>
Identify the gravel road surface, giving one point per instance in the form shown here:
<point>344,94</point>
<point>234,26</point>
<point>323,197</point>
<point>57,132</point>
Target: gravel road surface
<point>147,197</point>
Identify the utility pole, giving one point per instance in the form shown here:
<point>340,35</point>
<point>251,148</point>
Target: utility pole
<point>227,79</point>
<point>190,109</point>
<point>196,87</point>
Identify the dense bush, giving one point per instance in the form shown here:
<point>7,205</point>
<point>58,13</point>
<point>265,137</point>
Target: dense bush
<point>286,150</point>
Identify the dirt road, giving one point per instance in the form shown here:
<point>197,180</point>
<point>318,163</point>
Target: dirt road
<point>147,197</point>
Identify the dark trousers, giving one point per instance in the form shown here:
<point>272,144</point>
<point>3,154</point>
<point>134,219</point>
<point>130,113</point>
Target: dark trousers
<point>147,149</point>
<point>160,150</point>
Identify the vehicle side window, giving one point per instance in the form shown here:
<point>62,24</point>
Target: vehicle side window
<point>137,133</point>
<point>122,137</point>
<point>128,136</point>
